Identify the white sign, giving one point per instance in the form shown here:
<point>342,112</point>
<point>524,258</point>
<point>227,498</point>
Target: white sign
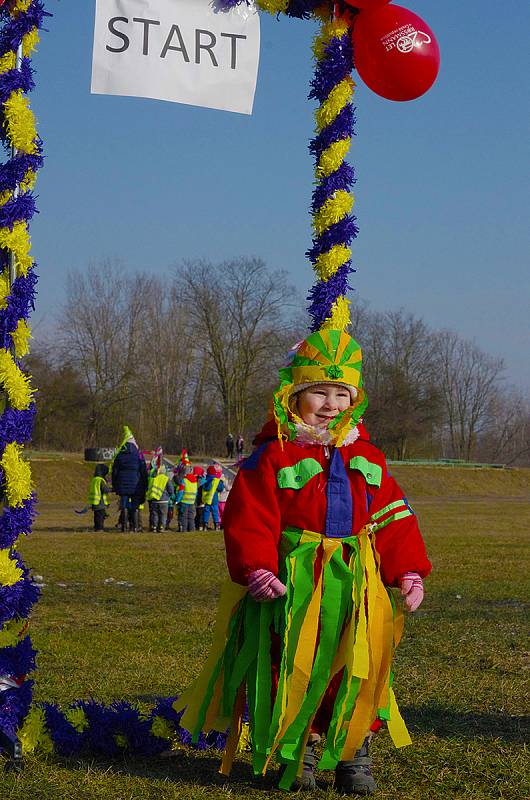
<point>183,51</point>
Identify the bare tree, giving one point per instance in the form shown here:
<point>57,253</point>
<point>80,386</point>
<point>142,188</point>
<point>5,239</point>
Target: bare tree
<point>240,313</point>
<point>400,380</point>
<point>468,383</point>
<point>100,334</point>
<point>507,439</point>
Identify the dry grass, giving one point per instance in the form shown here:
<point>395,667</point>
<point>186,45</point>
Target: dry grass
<point>461,669</point>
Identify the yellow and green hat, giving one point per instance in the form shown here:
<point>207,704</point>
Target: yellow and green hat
<point>326,356</point>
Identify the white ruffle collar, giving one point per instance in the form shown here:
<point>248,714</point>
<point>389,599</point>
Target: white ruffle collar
<point>308,435</point>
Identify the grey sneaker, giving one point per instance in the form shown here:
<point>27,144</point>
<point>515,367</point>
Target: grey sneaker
<point>306,781</point>
<point>355,777</point>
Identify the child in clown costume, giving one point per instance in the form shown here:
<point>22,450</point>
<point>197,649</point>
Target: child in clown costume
<point>316,529</point>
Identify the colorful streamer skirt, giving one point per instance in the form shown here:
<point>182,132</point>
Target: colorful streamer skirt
<point>337,627</point>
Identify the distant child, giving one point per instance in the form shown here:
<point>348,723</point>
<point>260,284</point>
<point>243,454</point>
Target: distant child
<point>211,490</point>
<point>199,504</point>
<point>159,494</point>
<point>98,496</point>
<point>186,498</point>
<point>316,529</point>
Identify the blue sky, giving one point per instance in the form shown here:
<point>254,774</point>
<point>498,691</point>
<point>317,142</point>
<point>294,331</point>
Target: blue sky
<point>441,196</point>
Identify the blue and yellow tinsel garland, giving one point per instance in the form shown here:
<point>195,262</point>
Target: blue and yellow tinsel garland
<point>20,22</point>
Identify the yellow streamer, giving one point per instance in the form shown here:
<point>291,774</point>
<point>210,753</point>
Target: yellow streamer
<point>17,473</point>
<point>338,321</point>
<point>20,6</point>
<point>5,288</point>
<point>337,99</point>
<point>13,631</point>
<point>20,122</point>
<point>21,336</point>
<point>331,30</point>
<point>5,196</point>
<point>273,6</point>
<point>77,718</point>
<point>8,61</point>
<point>30,41</point>
<point>17,240</point>
<point>332,157</point>
<point>29,180</point>
<point>14,382</point>
<point>333,210</point>
<point>396,726</point>
<point>162,728</point>
<point>328,263</point>
<point>10,573</point>
<point>33,733</point>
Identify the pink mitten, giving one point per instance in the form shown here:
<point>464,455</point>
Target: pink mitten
<point>412,590</point>
<point>263,585</point>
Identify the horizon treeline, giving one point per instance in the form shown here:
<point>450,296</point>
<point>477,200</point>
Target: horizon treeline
<point>187,357</point>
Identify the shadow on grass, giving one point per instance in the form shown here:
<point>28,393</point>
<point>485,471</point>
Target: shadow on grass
<point>187,768</point>
<point>444,723</point>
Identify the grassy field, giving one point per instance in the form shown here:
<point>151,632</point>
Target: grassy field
<point>460,671</point>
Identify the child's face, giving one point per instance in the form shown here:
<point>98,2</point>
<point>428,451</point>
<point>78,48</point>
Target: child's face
<point>319,404</point>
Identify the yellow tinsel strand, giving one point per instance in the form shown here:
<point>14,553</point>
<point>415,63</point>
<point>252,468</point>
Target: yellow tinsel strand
<point>14,382</point>
<point>5,288</point>
<point>12,632</point>
<point>328,263</point>
<point>28,181</point>
<point>21,336</point>
<point>273,6</point>
<point>17,240</point>
<point>10,573</point>
<point>77,718</point>
<point>331,30</point>
<point>30,41</point>
<point>340,315</point>
<point>17,474</point>
<point>163,729</point>
<point>332,157</point>
<point>333,210</point>
<point>19,6</point>
<point>33,733</point>
<point>20,123</point>
<point>8,61</point>
<point>5,196</point>
<point>337,99</point>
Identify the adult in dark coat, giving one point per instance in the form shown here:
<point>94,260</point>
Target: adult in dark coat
<point>129,481</point>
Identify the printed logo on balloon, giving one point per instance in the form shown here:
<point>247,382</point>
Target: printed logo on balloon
<point>396,53</point>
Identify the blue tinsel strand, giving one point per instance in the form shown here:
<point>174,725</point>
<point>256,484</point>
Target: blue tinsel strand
<point>336,65</point>
<point>17,600</point>
<point>340,128</point>
<point>16,520</point>
<point>20,303</point>
<point>15,79</point>
<point>13,31</point>
<point>16,426</point>
<point>16,209</point>
<point>18,660</point>
<point>13,171</point>
<point>343,232</point>
<point>324,294</point>
<point>14,706</point>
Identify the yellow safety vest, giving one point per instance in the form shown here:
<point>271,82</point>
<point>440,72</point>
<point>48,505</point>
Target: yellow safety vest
<point>95,494</point>
<point>156,489</point>
<point>190,492</point>
<point>208,496</point>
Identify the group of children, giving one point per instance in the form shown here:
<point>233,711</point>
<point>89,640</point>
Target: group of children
<point>197,493</point>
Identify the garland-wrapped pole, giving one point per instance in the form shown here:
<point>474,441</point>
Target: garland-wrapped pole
<point>334,227</point>
<point>19,34</point>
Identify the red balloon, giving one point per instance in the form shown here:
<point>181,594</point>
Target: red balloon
<point>366,3</point>
<point>396,53</point>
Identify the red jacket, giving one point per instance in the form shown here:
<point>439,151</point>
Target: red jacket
<point>277,488</point>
